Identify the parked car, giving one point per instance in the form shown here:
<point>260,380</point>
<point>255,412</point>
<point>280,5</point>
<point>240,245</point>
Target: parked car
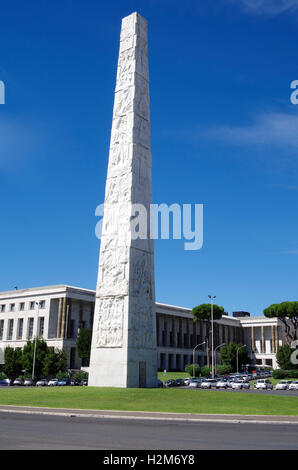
<point>6,382</point>
<point>294,385</point>
<point>63,382</point>
<point>42,383</point>
<point>263,384</point>
<point>84,382</point>
<point>169,383</point>
<point>209,383</point>
<point>18,381</point>
<point>195,383</point>
<point>222,383</point>
<point>186,381</point>
<point>237,385</point>
<point>53,382</point>
<point>179,383</point>
<point>28,382</point>
<point>159,384</point>
<point>283,385</point>
<point>74,382</point>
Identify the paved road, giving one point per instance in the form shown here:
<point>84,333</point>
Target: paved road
<point>20,431</point>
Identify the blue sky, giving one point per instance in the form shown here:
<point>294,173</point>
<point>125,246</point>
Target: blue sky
<point>224,133</point>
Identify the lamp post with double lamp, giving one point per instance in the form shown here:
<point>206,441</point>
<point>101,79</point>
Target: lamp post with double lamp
<point>217,347</point>
<point>193,357</point>
<point>212,335</point>
<point>237,355</point>
<point>35,342</point>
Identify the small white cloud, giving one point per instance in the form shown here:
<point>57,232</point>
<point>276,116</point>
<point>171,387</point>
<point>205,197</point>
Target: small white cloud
<point>269,129</point>
<point>290,252</point>
<point>267,7</point>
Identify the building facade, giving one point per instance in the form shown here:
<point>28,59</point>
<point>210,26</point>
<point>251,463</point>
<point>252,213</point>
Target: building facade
<point>57,313</point>
<point>54,313</point>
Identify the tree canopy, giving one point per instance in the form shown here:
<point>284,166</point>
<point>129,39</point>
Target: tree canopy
<point>84,344</point>
<point>203,312</point>
<point>287,313</point>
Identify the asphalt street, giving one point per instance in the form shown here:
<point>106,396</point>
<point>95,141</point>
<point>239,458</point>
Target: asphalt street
<point>33,432</point>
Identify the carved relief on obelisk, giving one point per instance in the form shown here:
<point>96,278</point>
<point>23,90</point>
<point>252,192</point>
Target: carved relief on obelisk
<point>124,332</point>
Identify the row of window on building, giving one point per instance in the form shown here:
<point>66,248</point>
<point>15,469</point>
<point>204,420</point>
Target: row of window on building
<point>22,305</point>
<point>20,328</point>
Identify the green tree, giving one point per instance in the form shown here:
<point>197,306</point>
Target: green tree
<point>287,313</point>
<point>228,355</point>
<point>205,371</point>
<point>203,312</point>
<point>84,345</point>
<point>28,353</point>
<point>55,361</point>
<point>50,367</point>
<point>223,369</point>
<point>61,360</point>
<point>13,362</point>
<point>283,357</point>
<point>190,369</point>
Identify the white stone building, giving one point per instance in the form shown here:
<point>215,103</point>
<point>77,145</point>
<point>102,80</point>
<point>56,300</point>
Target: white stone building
<point>63,310</point>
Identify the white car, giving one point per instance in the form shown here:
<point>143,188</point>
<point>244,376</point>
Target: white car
<point>283,385</point>
<point>209,383</point>
<point>263,384</point>
<point>294,385</point>
<point>240,384</point>
<point>222,383</point>
<point>28,382</point>
<point>42,383</point>
<point>53,382</point>
<point>194,383</point>
<point>237,385</point>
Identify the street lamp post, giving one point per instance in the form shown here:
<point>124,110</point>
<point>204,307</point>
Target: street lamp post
<point>212,335</point>
<point>35,342</point>
<point>215,352</point>
<point>237,355</point>
<point>193,357</point>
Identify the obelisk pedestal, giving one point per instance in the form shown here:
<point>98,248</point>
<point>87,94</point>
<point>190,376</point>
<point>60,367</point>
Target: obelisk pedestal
<point>123,351</point>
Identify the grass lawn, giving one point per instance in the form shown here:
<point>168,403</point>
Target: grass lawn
<point>172,375</point>
<point>166,400</point>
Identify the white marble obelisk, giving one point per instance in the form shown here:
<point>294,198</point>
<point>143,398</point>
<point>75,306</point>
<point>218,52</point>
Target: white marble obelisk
<point>123,351</point>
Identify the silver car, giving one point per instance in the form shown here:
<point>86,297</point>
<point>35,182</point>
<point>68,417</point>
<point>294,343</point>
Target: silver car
<point>41,383</point>
<point>28,382</point>
<point>194,383</point>
<point>53,383</point>
<point>294,385</point>
<point>283,385</point>
<point>222,383</point>
<point>208,383</point>
<point>18,382</point>
<point>237,385</point>
<point>263,384</point>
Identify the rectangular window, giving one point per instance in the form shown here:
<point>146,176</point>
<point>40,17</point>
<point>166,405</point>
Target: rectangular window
<point>2,308</point>
<point>42,304</point>
<point>12,307</point>
<point>10,329</point>
<point>1,329</point>
<point>41,326</point>
<point>32,305</point>
<point>20,328</point>
<point>71,329</point>
<point>30,327</point>
<point>22,306</point>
